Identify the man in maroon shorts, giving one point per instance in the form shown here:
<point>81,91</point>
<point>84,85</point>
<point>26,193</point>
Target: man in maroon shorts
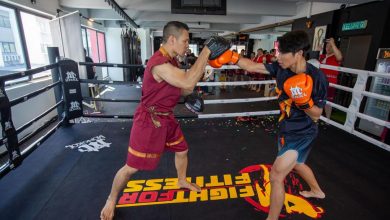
<point>154,127</point>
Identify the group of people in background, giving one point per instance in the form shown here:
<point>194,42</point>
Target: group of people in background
<point>332,56</point>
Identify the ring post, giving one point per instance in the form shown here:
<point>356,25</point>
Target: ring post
<point>54,56</point>
<point>71,89</point>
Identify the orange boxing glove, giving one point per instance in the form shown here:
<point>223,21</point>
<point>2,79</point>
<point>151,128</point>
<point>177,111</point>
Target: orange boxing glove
<point>227,57</point>
<point>299,88</point>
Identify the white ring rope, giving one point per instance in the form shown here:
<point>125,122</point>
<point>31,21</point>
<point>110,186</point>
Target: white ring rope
<point>339,107</point>
<point>358,91</point>
<point>360,115</point>
<point>356,71</point>
<point>239,114</point>
<point>372,119</point>
<point>344,88</point>
<point>358,134</point>
<point>365,93</point>
<point>376,96</point>
<point>224,67</point>
<point>236,83</point>
<point>224,101</point>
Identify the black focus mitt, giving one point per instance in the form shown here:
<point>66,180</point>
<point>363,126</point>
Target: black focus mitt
<point>217,45</point>
<point>194,103</point>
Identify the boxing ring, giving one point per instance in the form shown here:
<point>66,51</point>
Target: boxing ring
<point>67,172</point>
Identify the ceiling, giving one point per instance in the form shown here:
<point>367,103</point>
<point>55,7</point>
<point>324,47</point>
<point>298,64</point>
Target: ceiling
<point>240,14</point>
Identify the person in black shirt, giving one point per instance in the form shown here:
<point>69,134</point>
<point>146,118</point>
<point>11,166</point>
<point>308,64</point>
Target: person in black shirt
<point>91,75</point>
<point>90,69</point>
<point>302,96</point>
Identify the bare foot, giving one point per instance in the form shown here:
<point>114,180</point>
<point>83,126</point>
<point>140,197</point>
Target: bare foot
<point>107,212</point>
<point>311,194</point>
<point>188,185</point>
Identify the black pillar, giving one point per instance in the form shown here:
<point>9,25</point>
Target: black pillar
<point>54,56</point>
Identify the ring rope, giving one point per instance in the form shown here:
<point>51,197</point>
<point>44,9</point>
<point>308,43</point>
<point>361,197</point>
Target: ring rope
<point>236,83</point>
<point>239,114</point>
<point>224,101</point>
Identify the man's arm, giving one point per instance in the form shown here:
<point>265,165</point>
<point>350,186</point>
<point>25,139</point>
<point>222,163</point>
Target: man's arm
<point>251,66</point>
<point>178,78</point>
<point>185,92</point>
<point>314,112</point>
<point>336,51</point>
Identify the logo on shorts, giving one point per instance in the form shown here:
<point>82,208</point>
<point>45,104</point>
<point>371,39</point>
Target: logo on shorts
<point>251,184</point>
<point>92,145</point>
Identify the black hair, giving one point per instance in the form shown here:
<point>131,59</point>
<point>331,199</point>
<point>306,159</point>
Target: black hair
<point>173,28</point>
<point>293,42</point>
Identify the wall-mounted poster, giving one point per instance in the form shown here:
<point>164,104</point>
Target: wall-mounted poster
<point>318,39</point>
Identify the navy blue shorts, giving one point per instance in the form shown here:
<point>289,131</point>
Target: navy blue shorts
<point>301,146</point>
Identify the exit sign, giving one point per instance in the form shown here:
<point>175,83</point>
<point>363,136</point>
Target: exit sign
<point>354,25</point>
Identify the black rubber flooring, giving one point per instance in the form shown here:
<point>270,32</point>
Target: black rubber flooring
<point>58,182</point>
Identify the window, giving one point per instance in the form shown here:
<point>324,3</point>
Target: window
<point>92,40</point>
<point>38,38</point>
<point>6,48</point>
<point>11,46</point>
<point>102,47</point>
<point>95,44</point>
<point>4,21</point>
<point>238,48</point>
<point>194,49</point>
<point>84,37</point>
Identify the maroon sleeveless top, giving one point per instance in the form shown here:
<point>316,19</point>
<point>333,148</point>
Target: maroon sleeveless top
<point>158,98</point>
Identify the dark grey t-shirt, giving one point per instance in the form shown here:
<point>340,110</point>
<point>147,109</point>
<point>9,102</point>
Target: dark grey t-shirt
<point>299,123</point>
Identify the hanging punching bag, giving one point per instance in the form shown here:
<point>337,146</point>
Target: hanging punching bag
<point>130,54</point>
<point>125,54</point>
<point>135,55</point>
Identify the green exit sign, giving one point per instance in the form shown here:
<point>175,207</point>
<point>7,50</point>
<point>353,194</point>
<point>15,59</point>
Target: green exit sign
<point>354,25</point>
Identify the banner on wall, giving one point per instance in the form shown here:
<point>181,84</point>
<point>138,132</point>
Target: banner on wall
<point>318,39</point>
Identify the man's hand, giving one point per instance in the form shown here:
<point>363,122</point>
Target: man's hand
<point>331,41</point>
<point>194,103</point>
<point>217,46</point>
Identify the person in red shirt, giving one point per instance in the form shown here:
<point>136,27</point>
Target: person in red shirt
<point>250,74</point>
<point>332,57</point>
<point>239,73</point>
<point>271,57</point>
<point>155,129</point>
<point>260,58</point>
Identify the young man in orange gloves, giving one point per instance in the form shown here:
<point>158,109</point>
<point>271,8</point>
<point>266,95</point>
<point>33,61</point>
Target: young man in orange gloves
<point>154,127</point>
<point>302,96</point>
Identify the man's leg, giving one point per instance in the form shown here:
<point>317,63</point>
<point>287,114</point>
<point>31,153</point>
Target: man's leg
<point>181,161</point>
<point>121,178</point>
<point>307,174</point>
<point>281,167</point>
